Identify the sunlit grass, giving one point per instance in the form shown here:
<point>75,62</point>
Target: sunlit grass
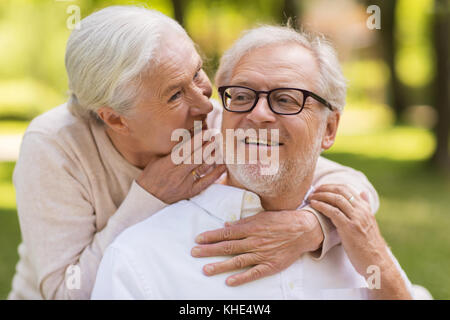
<point>13,127</point>
<point>396,143</point>
<point>9,228</point>
<point>7,195</point>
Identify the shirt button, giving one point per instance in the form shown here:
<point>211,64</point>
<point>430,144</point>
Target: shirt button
<point>291,285</point>
<point>233,217</point>
<point>249,198</point>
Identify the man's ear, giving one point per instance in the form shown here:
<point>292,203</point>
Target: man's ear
<point>114,120</point>
<point>330,130</point>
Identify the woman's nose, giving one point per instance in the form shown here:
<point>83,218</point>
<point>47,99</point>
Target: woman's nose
<point>200,103</point>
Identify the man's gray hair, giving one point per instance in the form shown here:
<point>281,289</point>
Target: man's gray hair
<point>106,57</point>
<point>331,85</point>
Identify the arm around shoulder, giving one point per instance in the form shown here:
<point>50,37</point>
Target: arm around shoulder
<point>57,217</point>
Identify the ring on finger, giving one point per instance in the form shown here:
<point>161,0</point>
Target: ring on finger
<point>351,199</point>
<point>195,175</point>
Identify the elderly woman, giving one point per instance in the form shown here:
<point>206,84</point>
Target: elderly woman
<point>101,163</point>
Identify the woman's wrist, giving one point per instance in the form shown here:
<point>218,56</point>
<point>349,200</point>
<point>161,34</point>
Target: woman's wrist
<point>391,285</point>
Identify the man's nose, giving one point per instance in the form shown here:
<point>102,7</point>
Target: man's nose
<point>261,112</point>
<point>200,103</point>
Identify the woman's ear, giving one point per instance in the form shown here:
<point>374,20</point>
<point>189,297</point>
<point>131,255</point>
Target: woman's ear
<point>330,130</point>
<point>114,120</point>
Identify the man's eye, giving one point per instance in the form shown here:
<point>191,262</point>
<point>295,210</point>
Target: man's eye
<point>242,97</point>
<point>175,96</point>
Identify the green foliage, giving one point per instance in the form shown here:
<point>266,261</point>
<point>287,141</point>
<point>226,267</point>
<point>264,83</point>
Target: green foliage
<point>25,99</point>
<point>9,240</point>
<point>9,228</point>
<point>415,58</point>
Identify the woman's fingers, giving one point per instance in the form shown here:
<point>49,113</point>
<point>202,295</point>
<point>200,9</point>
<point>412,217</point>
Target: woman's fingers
<point>241,221</point>
<point>235,263</point>
<point>352,197</point>
<point>208,179</point>
<point>257,272</point>
<point>338,188</point>
<point>338,218</point>
<point>365,197</point>
<point>224,248</point>
<point>224,234</point>
<point>335,199</point>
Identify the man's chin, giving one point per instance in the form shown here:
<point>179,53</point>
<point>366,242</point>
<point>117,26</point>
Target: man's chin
<point>253,178</point>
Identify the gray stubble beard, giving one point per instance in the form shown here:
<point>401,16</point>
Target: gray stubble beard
<point>290,174</point>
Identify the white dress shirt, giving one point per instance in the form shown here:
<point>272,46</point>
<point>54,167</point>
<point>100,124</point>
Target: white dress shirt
<point>152,260</point>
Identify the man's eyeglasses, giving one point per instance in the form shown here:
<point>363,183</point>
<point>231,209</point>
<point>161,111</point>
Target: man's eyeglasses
<point>285,101</point>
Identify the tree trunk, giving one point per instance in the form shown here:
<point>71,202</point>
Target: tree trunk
<point>442,83</point>
<point>178,9</point>
<point>395,90</point>
<point>290,12</point>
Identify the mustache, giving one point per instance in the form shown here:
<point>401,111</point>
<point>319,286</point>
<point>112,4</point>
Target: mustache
<point>282,133</point>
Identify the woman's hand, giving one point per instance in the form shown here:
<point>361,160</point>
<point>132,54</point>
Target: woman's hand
<point>171,183</point>
<point>268,242</point>
<point>360,236</point>
<point>355,223</point>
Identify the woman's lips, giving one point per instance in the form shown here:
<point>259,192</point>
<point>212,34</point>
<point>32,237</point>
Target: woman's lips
<point>196,128</point>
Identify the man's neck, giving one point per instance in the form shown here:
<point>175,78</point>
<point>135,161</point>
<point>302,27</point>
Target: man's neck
<point>128,150</point>
<point>289,199</point>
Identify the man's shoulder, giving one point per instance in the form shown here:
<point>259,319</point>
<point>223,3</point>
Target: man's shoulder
<point>166,222</point>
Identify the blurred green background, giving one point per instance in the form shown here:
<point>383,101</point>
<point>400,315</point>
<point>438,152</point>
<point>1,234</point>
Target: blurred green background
<point>395,127</point>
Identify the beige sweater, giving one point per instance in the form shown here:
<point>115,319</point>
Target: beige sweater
<point>75,193</point>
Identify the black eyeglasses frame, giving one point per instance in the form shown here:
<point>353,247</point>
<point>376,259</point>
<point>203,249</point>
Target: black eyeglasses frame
<point>306,94</point>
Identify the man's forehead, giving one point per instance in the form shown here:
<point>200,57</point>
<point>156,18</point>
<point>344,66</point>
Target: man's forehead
<point>284,63</point>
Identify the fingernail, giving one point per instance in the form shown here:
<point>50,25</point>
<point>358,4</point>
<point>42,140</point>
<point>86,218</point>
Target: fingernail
<point>195,251</point>
<point>209,269</point>
<point>199,239</point>
<point>231,281</point>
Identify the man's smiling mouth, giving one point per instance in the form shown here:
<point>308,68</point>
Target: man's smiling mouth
<point>261,142</point>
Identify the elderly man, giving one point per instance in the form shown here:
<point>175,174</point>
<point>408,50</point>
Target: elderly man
<point>101,163</point>
<point>276,79</point>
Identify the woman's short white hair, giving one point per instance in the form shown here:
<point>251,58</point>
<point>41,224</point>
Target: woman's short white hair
<point>107,55</point>
<point>331,86</point>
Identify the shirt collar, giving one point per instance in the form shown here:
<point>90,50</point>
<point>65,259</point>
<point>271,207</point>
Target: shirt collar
<point>230,203</point>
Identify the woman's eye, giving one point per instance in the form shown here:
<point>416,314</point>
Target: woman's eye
<point>175,96</point>
<point>197,75</point>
